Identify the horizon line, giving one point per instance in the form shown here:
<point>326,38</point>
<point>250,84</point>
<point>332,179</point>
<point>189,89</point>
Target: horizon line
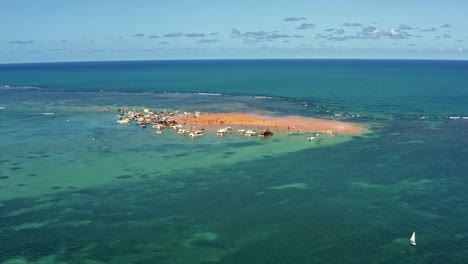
<point>231,59</point>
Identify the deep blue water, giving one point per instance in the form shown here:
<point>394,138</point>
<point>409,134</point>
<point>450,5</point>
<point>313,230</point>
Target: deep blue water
<point>76,187</point>
<point>374,86</point>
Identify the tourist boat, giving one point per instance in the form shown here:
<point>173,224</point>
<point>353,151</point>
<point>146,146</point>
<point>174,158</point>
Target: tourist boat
<point>183,131</point>
<point>413,239</point>
<point>158,126</point>
<point>221,132</point>
<point>265,133</point>
<point>310,138</point>
<point>123,121</point>
<point>179,126</point>
<point>241,131</point>
<point>224,131</point>
<point>197,133</point>
<point>250,133</point>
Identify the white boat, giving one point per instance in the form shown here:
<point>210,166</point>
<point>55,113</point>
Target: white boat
<point>224,131</point>
<point>413,239</point>
<point>250,133</point>
<point>221,132</point>
<point>241,131</point>
<point>123,121</point>
<point>310,138</point>
<point>183,131</point>
<point>197,133</point>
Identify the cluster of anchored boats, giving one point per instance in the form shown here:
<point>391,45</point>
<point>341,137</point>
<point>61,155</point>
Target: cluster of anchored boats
<point>166,119</point>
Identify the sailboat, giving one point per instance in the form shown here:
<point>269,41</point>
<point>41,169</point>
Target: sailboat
<point>413,239</point>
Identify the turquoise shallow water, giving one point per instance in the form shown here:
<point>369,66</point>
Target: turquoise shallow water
<point>131,196</point>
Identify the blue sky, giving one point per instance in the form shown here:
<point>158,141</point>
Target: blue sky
<point>84,30</point>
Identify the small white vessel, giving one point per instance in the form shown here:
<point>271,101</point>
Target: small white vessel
<point>183,131</point>
<point>250,133</point>
<point>123,121</point>
<point>223,131</point>
<point>241,131</point>
<point>197,133</point>
<point>413,239</point>
<point>310,138</point>
<point>220,132</point>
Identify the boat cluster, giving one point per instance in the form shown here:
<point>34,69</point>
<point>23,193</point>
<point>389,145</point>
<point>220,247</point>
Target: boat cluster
<point>251,133</point>
<point>160,120</point>
<point>176,121</point>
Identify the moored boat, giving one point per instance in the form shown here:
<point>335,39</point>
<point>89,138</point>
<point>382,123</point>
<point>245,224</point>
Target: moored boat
<point>183,131</point>
<point>250,133</point>
<point>265,133</point>
<point>196,133</point>
<point>123,121</point>
<point>224,131</point>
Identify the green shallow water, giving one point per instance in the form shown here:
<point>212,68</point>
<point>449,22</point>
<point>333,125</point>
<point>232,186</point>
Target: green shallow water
<point>68,144</point>
<point>132,196</point>
<point>325,204</point>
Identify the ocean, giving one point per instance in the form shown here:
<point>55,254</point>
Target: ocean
<point>76,187</point>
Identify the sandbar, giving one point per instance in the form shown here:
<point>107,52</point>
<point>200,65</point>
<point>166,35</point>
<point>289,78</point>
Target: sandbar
<point>214,121</point>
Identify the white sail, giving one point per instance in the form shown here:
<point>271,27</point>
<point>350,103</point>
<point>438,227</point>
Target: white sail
<point>413,239</point>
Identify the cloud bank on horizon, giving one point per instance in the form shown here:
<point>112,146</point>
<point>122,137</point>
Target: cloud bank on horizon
<point>239,35</point>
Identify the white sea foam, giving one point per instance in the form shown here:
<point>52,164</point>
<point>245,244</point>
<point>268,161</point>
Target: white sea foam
<point>211,94</point>
<point>8,87</point>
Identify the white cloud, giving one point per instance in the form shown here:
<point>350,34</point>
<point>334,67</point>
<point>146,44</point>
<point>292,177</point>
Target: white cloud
<point>393,32</point>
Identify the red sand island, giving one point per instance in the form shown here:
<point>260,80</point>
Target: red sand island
<point>214,121</point>
<point>226,122</point>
